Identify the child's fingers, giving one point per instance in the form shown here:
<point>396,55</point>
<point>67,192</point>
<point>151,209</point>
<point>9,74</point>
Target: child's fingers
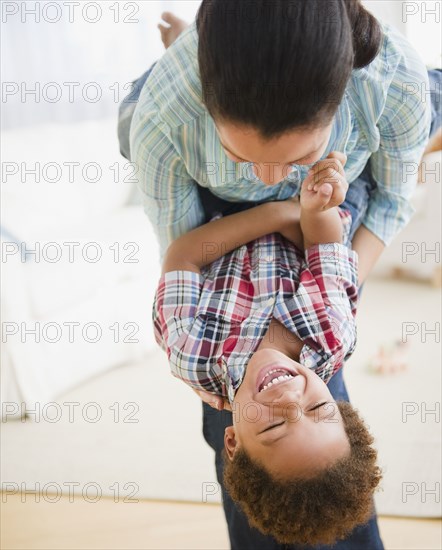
<point>334,163</point>
<point>326,189</point>
<point>318,201</point>
<point>339,156</point>
<point>227,405</point>
<point>327,172</point>
<point>338,183</point>
<point>216,402</point>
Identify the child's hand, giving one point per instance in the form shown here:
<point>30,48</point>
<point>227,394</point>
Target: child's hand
<point>326,184</point>
<point>215,401</point>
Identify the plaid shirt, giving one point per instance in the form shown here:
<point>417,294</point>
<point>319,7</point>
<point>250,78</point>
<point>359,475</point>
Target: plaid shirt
<point>384,116</point>
<point>210,324</point>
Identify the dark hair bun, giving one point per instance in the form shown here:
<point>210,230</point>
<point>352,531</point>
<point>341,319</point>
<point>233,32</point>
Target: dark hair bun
<point>367,33</point>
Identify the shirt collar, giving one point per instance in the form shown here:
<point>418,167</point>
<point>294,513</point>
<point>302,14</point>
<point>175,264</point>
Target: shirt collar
<point>341,129</point>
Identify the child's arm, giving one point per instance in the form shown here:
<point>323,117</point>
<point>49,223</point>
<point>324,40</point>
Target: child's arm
<point>321,227</point>
<point>327,291</point>
<point>210,241</point>
<point>321,192</point>
<point>326,303</point>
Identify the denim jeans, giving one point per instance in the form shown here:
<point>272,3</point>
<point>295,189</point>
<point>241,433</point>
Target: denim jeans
<point>126,111</point>
<point>242,536</point>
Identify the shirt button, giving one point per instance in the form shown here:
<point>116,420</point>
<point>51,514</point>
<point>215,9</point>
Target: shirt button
<point>294,175</point>
<point>308,362</point>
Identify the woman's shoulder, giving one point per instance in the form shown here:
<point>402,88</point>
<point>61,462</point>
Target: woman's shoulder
<point>396,76</point>
<point>397,60</point>
<point>174,84</point>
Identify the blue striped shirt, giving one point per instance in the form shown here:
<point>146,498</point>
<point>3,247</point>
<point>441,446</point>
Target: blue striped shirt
<point>385,115</point>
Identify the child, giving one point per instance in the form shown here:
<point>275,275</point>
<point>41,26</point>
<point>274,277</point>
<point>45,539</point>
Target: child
<point>244,312</point>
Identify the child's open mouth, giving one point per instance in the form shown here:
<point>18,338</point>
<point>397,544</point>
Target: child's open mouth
<point>275,376</point>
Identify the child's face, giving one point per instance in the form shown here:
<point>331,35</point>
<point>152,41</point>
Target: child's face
<point>310,434</point>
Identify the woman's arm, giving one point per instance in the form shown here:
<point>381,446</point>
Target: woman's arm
<point>169,194</point>
<point>369,248</point>
<point>403,127</point>
<point>210,241</point>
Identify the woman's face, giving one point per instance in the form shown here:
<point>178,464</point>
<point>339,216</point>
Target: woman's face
<point>272,160</point>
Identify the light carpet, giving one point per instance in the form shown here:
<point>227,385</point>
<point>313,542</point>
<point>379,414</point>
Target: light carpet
<point>148,441</point>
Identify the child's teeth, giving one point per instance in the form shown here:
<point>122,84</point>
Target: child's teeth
<point>276,380</point>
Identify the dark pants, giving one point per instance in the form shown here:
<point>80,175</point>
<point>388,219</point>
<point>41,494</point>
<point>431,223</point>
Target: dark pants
<point>242,536</point>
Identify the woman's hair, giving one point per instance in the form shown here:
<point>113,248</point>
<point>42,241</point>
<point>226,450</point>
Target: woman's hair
<point>315,510</point>
<point>278,65</point>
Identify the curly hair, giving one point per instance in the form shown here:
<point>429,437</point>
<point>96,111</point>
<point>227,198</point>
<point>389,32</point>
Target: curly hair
<point>315,510</point>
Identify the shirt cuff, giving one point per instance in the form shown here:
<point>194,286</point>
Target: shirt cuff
<point>383,224</point>
<point>323,364</point>
<point>333,259</point>
<point>180,291</point>
<point>182,276</point>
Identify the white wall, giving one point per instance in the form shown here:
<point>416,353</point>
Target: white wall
<point>419,20</point>
<point>108,54</point>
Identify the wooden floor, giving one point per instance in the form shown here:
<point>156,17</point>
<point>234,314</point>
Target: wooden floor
<point>155,525</point>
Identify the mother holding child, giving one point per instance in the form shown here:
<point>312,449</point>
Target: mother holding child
<point>271,141</point>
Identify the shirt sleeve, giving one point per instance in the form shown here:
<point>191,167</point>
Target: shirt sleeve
<point>174,310</point>
<point>174,307</point>
<point>170,196</point>
<point>404,127</point>
<point>185,333</point>
<point>328,297</point>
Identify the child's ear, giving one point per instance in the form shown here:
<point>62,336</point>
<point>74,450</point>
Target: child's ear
<point>230,441</point>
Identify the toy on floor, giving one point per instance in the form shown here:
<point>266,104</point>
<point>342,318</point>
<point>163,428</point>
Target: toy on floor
<point>391,358</point>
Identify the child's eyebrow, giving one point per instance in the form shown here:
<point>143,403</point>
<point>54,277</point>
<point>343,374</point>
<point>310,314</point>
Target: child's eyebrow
<point>268,442</point>
<point>270,428</point>
<point>317,406</point>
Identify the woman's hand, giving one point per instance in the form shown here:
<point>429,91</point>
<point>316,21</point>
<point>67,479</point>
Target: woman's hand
<point>215,401</point>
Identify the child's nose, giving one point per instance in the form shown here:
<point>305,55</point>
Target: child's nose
<point>289,400</point>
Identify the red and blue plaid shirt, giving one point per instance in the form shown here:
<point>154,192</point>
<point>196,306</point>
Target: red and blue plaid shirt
<point>210,324</point>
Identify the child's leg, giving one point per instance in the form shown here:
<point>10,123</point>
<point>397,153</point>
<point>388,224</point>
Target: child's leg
<point>126,111</point>
<point>127,107</point>
<point>213,205</point>
<point>435,78</point>
<point>171,33</point>
<point>357,198</point>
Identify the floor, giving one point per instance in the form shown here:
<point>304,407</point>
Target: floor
<point>107,525</point>
<point>159,417</point>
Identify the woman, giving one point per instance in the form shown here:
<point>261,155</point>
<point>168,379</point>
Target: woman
<point>245,102</point>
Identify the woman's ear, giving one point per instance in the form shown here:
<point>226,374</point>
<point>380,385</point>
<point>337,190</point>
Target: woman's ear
<point>230,441</point>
